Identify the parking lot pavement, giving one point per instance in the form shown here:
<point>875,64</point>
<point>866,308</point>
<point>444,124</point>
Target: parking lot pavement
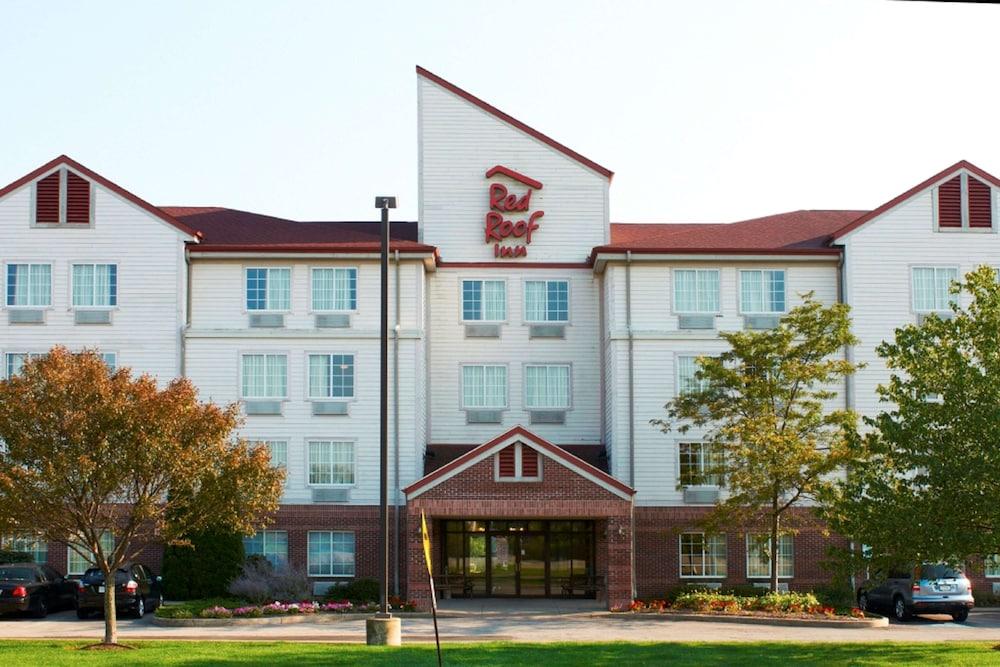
<point>983,625</point>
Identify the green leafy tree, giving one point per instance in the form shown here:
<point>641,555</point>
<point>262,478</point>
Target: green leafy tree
<point>926,486</point>
<point>90,451</point>
<point>204,567</point>
<point>765,410</point>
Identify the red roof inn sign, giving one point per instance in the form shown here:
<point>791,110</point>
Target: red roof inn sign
<point>510,215</point>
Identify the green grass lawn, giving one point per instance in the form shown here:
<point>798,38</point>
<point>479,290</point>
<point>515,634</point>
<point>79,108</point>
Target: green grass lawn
<point>55,653</point>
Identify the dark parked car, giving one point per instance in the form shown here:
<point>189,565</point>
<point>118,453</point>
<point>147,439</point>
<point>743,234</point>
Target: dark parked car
<point>34,588</point>
<point>931,588</point>
<point>137,591</point>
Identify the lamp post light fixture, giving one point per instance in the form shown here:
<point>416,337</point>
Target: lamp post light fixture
<point>383,628</point>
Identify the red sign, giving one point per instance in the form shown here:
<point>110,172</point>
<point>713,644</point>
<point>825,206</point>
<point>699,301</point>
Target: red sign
<point>510,215</point>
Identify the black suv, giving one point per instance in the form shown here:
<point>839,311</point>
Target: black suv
<point>137,591</point>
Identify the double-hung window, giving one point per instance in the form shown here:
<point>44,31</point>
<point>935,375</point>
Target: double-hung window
<point>547,387</point>
<point>758,556</point>
<point>700,464</point>
<point>484,300</point>
<point>762,292</point>
<point>484,387</point>
<point>14,361</point>
<point>265,376</point>
<point>331,463</point>
<point>932,288</point>
<point>334,290</point>
<point>29,285</point>
<point>271,544</point>
<point>268,289</point>
<point>95,285</point>
<point>78,564</point>
<point>546,301</point>
<point>688,381</point>
<point>991,566</point>
<point>331,376</point>
<point>278,451</point>
<point>696,291</point>
<point>331,553</point>
<point>27,543</point>
<point>703,555</point>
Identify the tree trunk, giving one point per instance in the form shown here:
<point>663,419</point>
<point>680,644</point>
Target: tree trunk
<point>775,519</point>
<point>110,611</point>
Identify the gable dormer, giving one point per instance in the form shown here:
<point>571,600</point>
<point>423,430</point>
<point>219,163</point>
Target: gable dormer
<point>963,203</point>
<point>62,198</point>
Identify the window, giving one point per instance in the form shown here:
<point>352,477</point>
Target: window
<point>518,462</point>
<point>278,449</point>
<point>758,556</point>
<point>703,555</point>
<point>111,359</point>
<point>62,198</point>
<point>331,463</point>
<point>547,387</point>
<point>265,376</point>
<point>29,285</point>
<point>546,301</point>
<point>269,289</point>
<point>331,376</point>
<point>77,564</point>
<point>992,565</point>
<point>964,203</point>
<point>484,387</point>
<point>696,291</point>
<point>700,464</point>
<point>932,288</point>
<point>271,544</point>
<point>95,285</point>
<point>31,544</point>
<point>15,361</point>
<point>762,292</point>
<point>687,380</point>
<point>331,554</point>
<point>484,300</point>
<point>334,289</point>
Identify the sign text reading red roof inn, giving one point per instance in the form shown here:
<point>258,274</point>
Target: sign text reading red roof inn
<point>510,215</point>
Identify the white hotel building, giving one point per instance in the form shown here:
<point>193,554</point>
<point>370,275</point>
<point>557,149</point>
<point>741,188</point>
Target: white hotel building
<point>532,342</point>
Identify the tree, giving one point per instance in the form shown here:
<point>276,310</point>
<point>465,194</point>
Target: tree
<point>205,567</point>
<point>764,404</point>
<point>90,451</point>
<point>926,485</point>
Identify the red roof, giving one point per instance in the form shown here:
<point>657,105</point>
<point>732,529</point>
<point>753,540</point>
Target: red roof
<point>796,232</point>
<point>230,230</point>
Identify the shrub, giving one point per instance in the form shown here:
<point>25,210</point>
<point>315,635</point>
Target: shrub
<point>746,591</point>
<point>194,608</point>
<point>15,557</point>
<point>216,612</point>
<point>203,569</point>
<point>785,602</point>
<point>676,591</point>
<point>839,596</point>
<point>359,591</point>
<point>986,599</point>
<point>260,582</point>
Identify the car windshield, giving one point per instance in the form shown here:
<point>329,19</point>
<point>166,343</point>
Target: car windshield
<point>939,571</point>
<point>17,574</point>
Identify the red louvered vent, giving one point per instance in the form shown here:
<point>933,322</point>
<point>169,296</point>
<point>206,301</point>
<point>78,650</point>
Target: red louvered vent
<point>950,203</point>
<point>507,462</point>
<point>77,200</point>
<point>980,206</point>
<point>529,462</point>
<point>47,200</point>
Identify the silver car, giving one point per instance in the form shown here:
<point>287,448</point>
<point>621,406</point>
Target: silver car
<point>931,588</point>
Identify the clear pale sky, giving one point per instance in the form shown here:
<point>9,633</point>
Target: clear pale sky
<point>706,111</point>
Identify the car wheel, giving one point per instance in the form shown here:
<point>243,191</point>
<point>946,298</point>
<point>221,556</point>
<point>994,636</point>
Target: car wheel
<point>863,603</point>
<point>961,616</point>
<point>82,613</point>
<point>140,607</point>
<point>899,609</point>
<point>41,609</point>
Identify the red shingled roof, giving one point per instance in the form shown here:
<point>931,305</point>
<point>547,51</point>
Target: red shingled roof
<point>230,230</point>
<point>796,232</point>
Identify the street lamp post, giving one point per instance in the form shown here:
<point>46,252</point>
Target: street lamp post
<point>383,628</point>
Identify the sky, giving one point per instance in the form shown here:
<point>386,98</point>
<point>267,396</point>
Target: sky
<point>707,111</point>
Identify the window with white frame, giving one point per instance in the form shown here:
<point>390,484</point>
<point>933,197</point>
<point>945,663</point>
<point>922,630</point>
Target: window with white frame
<point>688,381</point>
<point>700,464</point>
<point>334,289</point>
<point>484,300</point>
<point>14,361</point>
<point>331,553</point>
<point>484,387</point>
<point>696,291</point>
<point>546,387</point>
<point>29,285</point>
<point>932,288</point>
<point>546,301</point>
<point>278,451</point>
<point>271,544</point>
<point>331,463</point>
<point>991,565</point>
<point>265,376</point>
<point>27,543</point>
<point>331,376</point>
<point>77,564</point>
<point>95,285</point>
<point>703,555</point>
<point>759,556</point>
<point>762,291</point>
<point>110,359</point>
<point>268,289</point>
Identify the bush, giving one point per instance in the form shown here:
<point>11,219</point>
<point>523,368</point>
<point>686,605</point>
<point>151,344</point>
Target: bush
<point>747,591</point>
<point>839,596</point>
<point>676,591</point>
<point>15,557</point>
<point>204,569</point>
<point>784,602</point>
<point>194,608</point>
<point>987,599</point>
<point>260,582</point>
<point>359,591</point>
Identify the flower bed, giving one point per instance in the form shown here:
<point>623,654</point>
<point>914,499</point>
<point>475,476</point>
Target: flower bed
<point>241,609</point>
<point>781,605</point>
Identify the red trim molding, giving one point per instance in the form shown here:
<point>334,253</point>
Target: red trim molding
<point>520,265</point>
<point>510,120</point>
<point>516,175</point>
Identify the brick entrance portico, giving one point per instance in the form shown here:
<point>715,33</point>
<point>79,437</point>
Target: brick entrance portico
<point>566,488</point>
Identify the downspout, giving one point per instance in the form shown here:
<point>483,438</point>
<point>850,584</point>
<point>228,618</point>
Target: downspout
<point>187,313</point>
<point>849,380</point>
<point>395,430</point>
<point>631,407</point>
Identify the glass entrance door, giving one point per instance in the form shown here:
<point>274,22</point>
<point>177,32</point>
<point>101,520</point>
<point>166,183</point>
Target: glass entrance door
<point>503,565</point>
<point>531,566</point>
